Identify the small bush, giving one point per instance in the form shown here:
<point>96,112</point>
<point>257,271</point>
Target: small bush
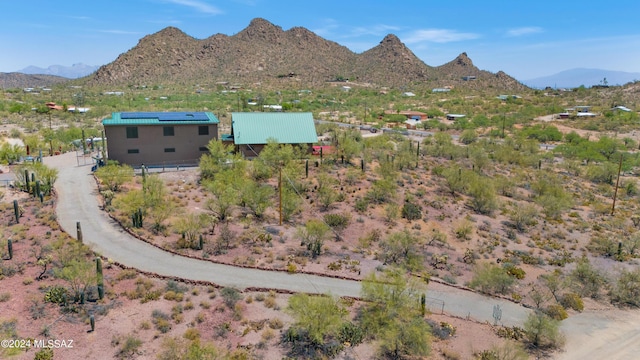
<point>230,296</point>
<point>337,221</point>
<point>556,312</point>
<point>411,211</point>
<point>572,301</point>
<point>129,348</point>
<point>56,294</point>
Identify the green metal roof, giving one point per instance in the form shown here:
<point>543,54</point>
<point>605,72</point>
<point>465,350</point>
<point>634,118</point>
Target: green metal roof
<point>285,128</point>
<point>160,118</point>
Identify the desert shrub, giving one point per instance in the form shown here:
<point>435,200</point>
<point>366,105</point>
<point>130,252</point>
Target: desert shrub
<point>463,230</point>
<point>626,289</point>
<point>509,350</point>
<point>572,301</point>
<point>491,279</point>
<point>56,294</point>
<point>515,271</point>
<point>129,346</point>
<point>442,329</point>
<point>483,196</point>
<point>127,274</point>
<point>161,321</point>
<point>411,211</point>
<point>543,332</point>
<point>603,246</point>
<point>523,216</point>
<point>402,248</point>
<point>556,312</point>
<point>337,221</point>
<point>44,354</point>
<point>586,280</point>
<point>175,286</point>
<point>230,296</point>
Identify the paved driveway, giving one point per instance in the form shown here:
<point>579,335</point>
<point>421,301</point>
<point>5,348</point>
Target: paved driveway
<point>78,201</point>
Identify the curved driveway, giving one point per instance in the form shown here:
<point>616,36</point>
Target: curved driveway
<point>78,202</point>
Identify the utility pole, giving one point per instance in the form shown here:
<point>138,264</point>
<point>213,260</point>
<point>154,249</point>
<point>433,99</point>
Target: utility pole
<point>615,193</point>
<point>280,192</point>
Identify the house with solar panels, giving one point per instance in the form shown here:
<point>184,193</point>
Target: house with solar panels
<point>251,131</point>
<point>159,138</point>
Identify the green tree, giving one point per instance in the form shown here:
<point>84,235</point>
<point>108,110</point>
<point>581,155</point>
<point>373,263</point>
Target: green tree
<point>482,194</point>
<point>468,136</point>
<point>523,216</point>
<point>491,279</point>
<point>190,227</point>
<point>392,314</point>
<point>313,235</point>
<point>317,322</point>
<point>113,176</point>
<point>543,332</point>
<point>402,248</point>
<point>257,197</point>
<point>626,290</point>
<point>130,202</point>
<point>586,279</point>
<point>79,273</point>
<point>218,158</point>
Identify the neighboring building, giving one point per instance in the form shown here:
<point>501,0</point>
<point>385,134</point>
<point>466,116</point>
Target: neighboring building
<point>454,116</point>
<point>468,77</point>
<point>159,138</point>
<point>416,115</point>
<point>408,94</point>
<point>251,131</point>
<point>412,124</point>
<point>440,90</point>
<point>621,108</point>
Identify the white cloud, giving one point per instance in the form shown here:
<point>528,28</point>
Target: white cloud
<point>438,36</point>
<point>524,31</point>
<point>198,5</point>
<point>376,30</point>
<point>327,28</point>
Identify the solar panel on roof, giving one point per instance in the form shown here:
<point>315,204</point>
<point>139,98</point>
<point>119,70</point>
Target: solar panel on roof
<point>166,116</point>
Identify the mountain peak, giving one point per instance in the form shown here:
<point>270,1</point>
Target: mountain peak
<point>463,60</point>
<point>260,29</point>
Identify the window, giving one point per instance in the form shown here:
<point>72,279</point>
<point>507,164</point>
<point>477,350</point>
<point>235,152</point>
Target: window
<point>168,131</point>
<point>203,130</point>
<point>132,132</point>
<point>133,151</point>
<point>169,149</point>
<point>203,148</point>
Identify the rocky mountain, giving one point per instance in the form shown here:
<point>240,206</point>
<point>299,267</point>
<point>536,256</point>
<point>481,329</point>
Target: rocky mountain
<point>588,77</point>
<point>265,53</point>
<point>72,72</point>
<point>20,80</point>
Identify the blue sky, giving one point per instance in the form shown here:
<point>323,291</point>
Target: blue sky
<point>526,39</point>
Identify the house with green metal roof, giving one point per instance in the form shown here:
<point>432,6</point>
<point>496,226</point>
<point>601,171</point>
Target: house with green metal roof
<point>251,131</point>
<point>159,138</point>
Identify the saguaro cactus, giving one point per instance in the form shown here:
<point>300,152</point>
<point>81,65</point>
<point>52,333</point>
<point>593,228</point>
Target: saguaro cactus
<point>79,231</point>
<point>92,321</point>
<point>10,248</point>
<point>37,191</point>
<point>16,211</point>
<point>423,304</point>
<point>26,180</point>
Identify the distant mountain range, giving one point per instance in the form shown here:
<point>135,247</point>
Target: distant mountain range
<point>265,54</point>
<point>71,72</point>
<point>578,77</point>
